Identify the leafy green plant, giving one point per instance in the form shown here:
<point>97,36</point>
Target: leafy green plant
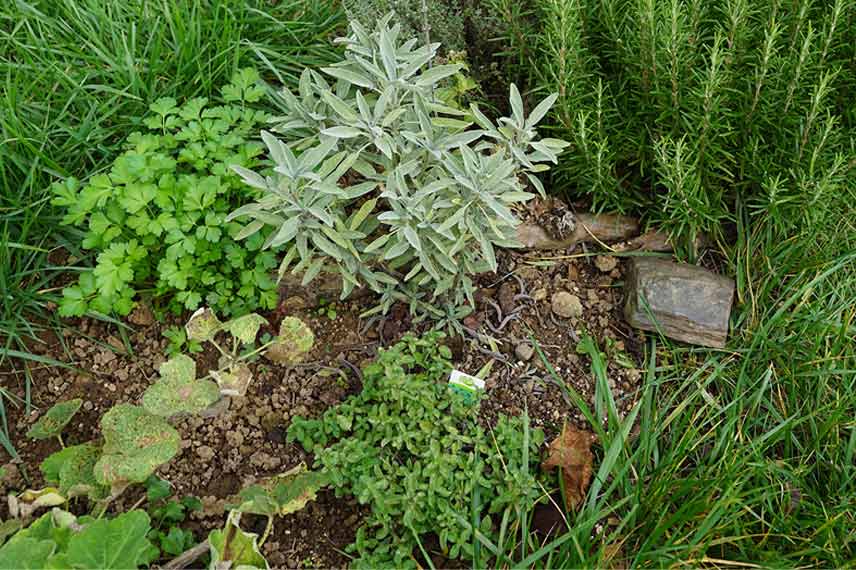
<point>179,343</point>
<point>167,514</point>
<point>72,471</point>
<point>54,420</point>
<point>412,449</point>
<point>61,540</point>
<point>380,182</point>
<point>157,217</point>
<point>232,547</point>
<point>178,390</point>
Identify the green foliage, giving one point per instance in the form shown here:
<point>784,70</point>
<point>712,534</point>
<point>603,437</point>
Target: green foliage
<point>426,20</point>
<point>390,188</point>
<point>167,515</point>
<point>77,78</point>
<point>135,444</point>
<point>412,450</point>
<point>178,390</point>
<point>54,420</point>
<point>71,470</point>
<point>158,215</point>
<point>695,109</point>
<point>178,342</point>
<point>59,540</point>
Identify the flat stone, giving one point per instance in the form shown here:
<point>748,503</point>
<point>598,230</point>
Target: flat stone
<point>682,301</point>
<point>566,305</point>
<point>587,228</point>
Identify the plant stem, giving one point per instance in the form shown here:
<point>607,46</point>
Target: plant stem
<point>187,557</point>
<point>267,531</point>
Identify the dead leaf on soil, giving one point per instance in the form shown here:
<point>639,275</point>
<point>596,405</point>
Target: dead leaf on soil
<point>572,452</point>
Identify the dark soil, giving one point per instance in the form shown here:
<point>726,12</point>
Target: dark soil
<point>245,442</point>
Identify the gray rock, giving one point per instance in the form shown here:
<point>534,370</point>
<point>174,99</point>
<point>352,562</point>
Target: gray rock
<point>682,301</point>
<point>524,351</point>
<point>566,305</point>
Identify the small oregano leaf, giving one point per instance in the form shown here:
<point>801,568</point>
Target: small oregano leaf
<point>294,341</point>
<point>135,444</point>
<point>203,325</point>
<point>178,391</point>
<point>245,328</point>
<point>231,547</point>
<point>54,420</point>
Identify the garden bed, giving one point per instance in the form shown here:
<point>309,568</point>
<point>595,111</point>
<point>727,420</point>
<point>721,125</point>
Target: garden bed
<point>223,453</point>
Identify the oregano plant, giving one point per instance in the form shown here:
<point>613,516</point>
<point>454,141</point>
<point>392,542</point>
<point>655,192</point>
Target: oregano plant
<point>378,181</point>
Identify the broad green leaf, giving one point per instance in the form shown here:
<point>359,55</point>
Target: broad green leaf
<point>8,528</point>
<point>377,243</point>
<point>26,553</point>
<point>516,105</point>
<point>246,327</point>
<point>117,543</point>
<point>361,214</point>
<point>202,325</point>
<point>231,547</point>
<point>135,444</point>
<point>178,391</point>
<point>342,132</point>
<point>342,108</point>
<point>540,111</point>
<point>72,471</point>
<point>54,420</point>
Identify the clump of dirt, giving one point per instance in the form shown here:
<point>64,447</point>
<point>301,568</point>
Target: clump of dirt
<point>246,441</point>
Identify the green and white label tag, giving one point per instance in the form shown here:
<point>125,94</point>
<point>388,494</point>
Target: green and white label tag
<point>465,384</point>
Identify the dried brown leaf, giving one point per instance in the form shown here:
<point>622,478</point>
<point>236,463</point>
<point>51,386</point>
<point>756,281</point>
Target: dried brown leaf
<point>571,451</point>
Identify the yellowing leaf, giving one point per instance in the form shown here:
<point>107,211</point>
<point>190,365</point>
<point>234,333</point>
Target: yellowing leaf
<point>234,548</point>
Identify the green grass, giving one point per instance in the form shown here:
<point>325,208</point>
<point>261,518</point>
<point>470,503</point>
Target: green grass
<point>734,119</point>
<point>77,76</point>
<point>740,456</point>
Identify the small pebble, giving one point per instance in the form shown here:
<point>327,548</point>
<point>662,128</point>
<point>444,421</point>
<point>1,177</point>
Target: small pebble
<point>566,305</point>
<point>605,263</point>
